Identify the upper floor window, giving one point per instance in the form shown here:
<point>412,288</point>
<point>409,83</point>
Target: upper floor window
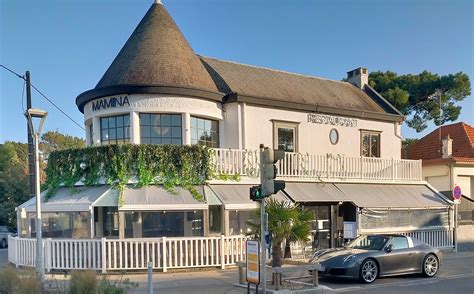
<point>370,144</point>
<point>115,129</point>
<point>205,132</point>
<point>285,136</point>
<point>161,128</point>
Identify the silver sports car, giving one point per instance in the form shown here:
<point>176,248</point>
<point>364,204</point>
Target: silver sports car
<point>372,256</point>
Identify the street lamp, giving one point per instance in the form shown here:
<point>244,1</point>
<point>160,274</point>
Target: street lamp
<point>34,113</point>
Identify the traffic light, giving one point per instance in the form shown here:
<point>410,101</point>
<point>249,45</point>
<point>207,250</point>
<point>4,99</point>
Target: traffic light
<point>256,193</point>
<point>268,169</point>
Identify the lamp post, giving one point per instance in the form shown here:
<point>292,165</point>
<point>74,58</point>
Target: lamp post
<point>41,115</point>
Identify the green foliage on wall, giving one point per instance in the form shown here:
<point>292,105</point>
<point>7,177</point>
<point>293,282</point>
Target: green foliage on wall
<point>168,165</point>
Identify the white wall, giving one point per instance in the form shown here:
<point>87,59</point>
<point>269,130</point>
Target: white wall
<point>314,138</point>
<point>244,126</point>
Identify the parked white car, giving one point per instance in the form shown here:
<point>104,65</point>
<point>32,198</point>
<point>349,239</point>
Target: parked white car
<point>4,233</point>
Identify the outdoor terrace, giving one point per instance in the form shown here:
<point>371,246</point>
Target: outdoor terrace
<point>320,167</point>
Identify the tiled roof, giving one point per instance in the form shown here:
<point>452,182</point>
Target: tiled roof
<point>429,148</point>
<point>157,53</point>
<point>157,59</point>
<point>279,85</point>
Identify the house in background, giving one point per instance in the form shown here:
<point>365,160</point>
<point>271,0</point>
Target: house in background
<point>447,154</point>
<point>448,157</point>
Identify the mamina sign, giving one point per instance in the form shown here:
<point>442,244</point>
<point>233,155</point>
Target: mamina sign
<point>110,102</point>
<point>332,120</point>
<point>252,262</point>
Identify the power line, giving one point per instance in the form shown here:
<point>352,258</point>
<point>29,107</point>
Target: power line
<point>44,96</point>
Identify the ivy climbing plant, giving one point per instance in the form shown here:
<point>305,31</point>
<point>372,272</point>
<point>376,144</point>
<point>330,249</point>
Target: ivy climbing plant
<point>117,165</point>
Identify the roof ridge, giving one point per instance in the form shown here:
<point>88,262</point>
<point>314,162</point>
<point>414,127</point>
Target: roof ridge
<point>276,70</point>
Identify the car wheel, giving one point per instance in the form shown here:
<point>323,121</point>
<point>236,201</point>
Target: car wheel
<point>4,243</point>
<point>430,265</point>
<point>368,271</point>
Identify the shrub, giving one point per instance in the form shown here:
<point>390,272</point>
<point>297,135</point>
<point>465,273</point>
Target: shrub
<point>14,281</point>
<point>83,282</point>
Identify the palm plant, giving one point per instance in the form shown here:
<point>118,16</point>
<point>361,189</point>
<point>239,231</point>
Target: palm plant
<point>287,222</point>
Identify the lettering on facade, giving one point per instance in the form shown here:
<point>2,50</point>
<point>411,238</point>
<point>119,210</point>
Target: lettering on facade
<point>110,102</point>
<point>332,120</point>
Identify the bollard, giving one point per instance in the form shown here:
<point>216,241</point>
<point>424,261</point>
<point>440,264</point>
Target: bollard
<point>315,278</point>
<point>150,278</point>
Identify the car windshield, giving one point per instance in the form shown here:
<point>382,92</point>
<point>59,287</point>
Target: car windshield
<point>373,242</point>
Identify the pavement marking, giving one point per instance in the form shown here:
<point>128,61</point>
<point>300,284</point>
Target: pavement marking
<point>404,284</point>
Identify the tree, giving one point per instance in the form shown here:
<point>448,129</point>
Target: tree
<point>419,96</point>
<point>286,222</point>
<point>14,187</point>
<point>14,179</point>
<point>54,141</point>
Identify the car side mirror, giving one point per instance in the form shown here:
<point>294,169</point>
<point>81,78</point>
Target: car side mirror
<point>389,248</point>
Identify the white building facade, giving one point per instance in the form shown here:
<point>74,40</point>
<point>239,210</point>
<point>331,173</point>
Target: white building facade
<point>342,139</point>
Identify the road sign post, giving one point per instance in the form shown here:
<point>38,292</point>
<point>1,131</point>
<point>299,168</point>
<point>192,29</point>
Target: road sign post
<point>457,194</point>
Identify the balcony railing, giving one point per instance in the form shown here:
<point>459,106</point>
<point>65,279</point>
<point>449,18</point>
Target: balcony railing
<point>324,167</point>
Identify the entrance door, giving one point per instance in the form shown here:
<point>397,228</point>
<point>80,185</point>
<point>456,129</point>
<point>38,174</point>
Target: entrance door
<point>321,230</point>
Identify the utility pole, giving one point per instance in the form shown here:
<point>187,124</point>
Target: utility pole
<point>31,152</point>
<point>263,225</point>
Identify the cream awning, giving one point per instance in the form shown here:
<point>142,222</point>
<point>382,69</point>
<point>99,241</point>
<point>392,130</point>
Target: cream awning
<point>68,199</point>
<point>238,196</point>
<point>367,195</point>
<point>158,198</point>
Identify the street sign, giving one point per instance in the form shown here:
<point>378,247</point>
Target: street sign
<point>457,194</point>
<point>252,262</point>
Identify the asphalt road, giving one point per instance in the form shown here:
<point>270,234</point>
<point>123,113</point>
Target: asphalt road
<point>456,275</point>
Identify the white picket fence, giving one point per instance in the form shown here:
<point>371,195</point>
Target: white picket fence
<point>129,254</point>
<point>246,163</point>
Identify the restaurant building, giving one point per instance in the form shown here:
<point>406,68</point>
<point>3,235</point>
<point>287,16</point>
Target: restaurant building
<point>342,139</point>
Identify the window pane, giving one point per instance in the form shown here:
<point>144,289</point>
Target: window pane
<point>374,146</point>
<point>176,120</point>
<point>155,132</point>
<point>119,133</point>
<point>193,123</point>
<point>207,124</point>
<point>104,135</point>
<point>166,132</point>
<point>166,141</point>
<point>200,123</point>
<point>286,137</point>
<point>144,119</point>
<point>155,119</point>
<point>112,122</point>
<point>112,134</point>
<point>155,140</point>
<point>126,120</point>
<point>176,132</point>
<point>126,134</point>
<point>119,121</point>
<point>176,141</point>
<point>104,123</point>
<point>214,126</point>
<point>145,140</point>
<point>165,119</point>
<point>145,131</point>
<point>365,145</point>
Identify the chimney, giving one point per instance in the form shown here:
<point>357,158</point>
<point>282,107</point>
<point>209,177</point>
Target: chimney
<point>359,77</point>
<point>447,147</point>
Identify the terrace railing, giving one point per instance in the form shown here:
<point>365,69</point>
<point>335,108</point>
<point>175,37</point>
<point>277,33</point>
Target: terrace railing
<point>129,254</point>
<point>297,165</point>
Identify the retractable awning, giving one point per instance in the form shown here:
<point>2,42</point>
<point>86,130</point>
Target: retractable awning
<point>367,195</point>
<point>158,198</point>
<point>393,196</point>
<point>68,199</point>
<point>238,196</point>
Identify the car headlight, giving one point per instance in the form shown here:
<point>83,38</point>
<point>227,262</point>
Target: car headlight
<point>317,254</point>
<point>349,258</point>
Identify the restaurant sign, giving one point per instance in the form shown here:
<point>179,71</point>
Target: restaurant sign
<point>110,102</point>
<point>332,120</point>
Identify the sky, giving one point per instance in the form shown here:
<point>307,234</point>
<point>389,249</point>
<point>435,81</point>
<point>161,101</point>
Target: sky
<point>68,45</point>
